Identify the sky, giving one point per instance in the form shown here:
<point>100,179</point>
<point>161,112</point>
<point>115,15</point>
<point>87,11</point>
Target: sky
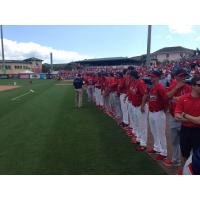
<point>77,42</point>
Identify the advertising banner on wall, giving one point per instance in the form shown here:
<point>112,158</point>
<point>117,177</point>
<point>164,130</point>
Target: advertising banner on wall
<point>49,76</point>
<point>34,76</point>
<point>3,76</point>
<point>13,76</point>
<point>24,76</point>
<point>43,76</point>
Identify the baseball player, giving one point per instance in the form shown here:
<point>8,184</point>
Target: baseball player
<point>187,111</point>
<point>158,102</point>
<point>139,113</point>
<point>176,89</point>
<point>122,89</point>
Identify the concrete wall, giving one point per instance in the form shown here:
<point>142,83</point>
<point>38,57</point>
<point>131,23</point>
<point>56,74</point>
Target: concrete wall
<point>171,56</point>
<point>15,68</point>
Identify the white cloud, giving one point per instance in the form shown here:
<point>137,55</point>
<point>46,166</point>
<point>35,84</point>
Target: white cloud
<point>197,38</point>
<point>181,29</point>
<point>14,50</point>
<point>168,37</point>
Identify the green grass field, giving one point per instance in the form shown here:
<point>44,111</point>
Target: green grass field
<point>43,133</point>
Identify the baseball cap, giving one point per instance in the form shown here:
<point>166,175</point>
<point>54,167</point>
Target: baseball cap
<point>180,72</point>
<point>134,74</point>
<point>156,73</point>
<point>131,67</point>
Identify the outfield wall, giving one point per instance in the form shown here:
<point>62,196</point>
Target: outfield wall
<point>42,76</point>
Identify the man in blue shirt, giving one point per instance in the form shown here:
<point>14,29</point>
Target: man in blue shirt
<point>78,86</point>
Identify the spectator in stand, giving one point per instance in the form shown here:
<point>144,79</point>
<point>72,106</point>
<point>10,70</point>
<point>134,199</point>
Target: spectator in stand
<point>176,89</point>
<point>187,111</point>
<point>158,102</point>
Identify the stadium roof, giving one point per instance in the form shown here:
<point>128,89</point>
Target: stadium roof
<point>104,59</point>
<point>33,59</point>
<point>173,49</point>
<point>29,60</point>
<point>15,61</point>
<point>108,61</point>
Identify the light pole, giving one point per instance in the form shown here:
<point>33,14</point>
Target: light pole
<point>51,60</point>
<point>2,49</point>
<point>148,46</point>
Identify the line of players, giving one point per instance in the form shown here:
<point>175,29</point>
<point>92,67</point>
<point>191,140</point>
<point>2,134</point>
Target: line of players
<point>134,104</point>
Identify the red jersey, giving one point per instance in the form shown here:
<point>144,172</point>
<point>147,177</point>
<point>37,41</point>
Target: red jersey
<point>121,87</point>
<point>98,82</point>
<point>189,105</point>
<point>106,84</point>
<point>158,98</point>
<point>137,89</point>
<point>103,83</point>
<point>182,91</point>
<point>114,83</point>
<point>89,80</point>
<point>95,79</point>
<point>128,81</point>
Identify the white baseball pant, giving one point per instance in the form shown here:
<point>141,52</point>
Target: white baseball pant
<point>124,108</point>
<point>143,125</point>
<point>157,122</point>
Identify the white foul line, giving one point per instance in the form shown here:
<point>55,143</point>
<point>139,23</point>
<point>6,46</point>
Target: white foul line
<point>30,91</point>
